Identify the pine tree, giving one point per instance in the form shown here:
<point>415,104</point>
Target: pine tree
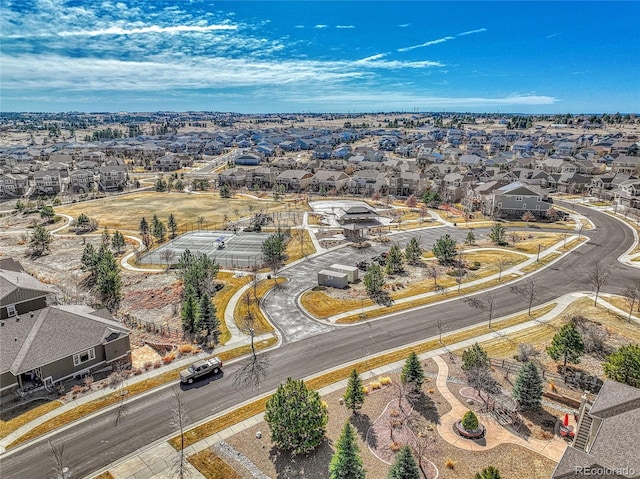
<point>108,280</point>
<point>497,234</point>
<point>172,225</point>
<point>206,323</point>
<point>470,421</point>
<point>354,394</point>
<point>567,344</point>
<point>158,229</point>
<point>624,365</point>
<point>413,251</point>
<point>412,372</point>
<point>297,417</point>
<point>89,260</point>
<point>40,240</point>
<point>527,389</point>
<point>144,226</point>
<point>488,472</point>
<point>444,249</point>
<point>106,237</point>
<point>346,462</point>
<point>471,238</point>
<point>189,311</point>
<point>117,241</point>
<point>405,466</point>
<point>374,280</point>
<point>394,262</point>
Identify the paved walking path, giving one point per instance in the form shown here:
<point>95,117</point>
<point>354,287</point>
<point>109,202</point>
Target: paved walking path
<point>495,434</point>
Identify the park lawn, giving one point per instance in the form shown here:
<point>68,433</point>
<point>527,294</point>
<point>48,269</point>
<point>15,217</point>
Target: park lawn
<point>221,299</point>
<point>124,212</point>
<point>539,264</point>
<point>621,303</point>
<point>261,325</point>
<point>532,240</point>
<point>507,345</point>
<point>212,466</point>
<point>299,246</point>
<point>322,305</point>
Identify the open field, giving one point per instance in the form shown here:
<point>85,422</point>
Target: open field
<point>125,212</point>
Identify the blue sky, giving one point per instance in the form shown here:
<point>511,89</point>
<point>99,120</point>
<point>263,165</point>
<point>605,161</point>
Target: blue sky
<point>329,56</point>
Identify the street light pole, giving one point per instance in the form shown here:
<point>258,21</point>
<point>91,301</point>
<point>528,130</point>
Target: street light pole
<point>538,257</point>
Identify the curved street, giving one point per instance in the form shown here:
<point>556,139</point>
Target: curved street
<point>312,347</point>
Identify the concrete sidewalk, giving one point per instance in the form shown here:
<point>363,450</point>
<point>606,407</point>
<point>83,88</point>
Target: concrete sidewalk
<point>156,461</point>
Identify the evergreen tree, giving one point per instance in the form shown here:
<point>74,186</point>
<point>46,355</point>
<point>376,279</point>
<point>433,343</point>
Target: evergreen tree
<point>144,227</point>
<point>394,261</point>
<point>198,271</point>
<point>83,221</point>
<point>470,421</point>
<point>374,280</point>
<point>189,310</point>
<point>412,372</point>
<point>207,323</point>
<point>431,198</point>
<point>90,260</point>
<point>117,241</point>
<point>497,234</point>
<point>624,365</point>
<point>297,417</point>
<point>413,251</point>
<point>471,238</point>
<point>488,472</point>
<point>354,394</point>
<point>405,466</point>
<point>567,344</point>
<point>108,280</point>
<point>172,225</point>
<point>527,389</point>
<point>225,191</point>
<point>158,229</point>
<point>47,213</point>
<point>475,364</point>
<point>445,249</point>
<point>273,251</point>
<point>105,238</point>
<point>40,240</point>
<point>346,462</point>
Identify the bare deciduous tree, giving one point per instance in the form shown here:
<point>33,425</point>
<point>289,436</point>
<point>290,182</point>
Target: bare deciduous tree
<point>484,303</point>
<point>598,277</point>
<point>180,420</point>
<point>432,271</point>
<point>167,256</point>
<point>502,265</point>
<point>527,290</point>
<point>632,295</point>
<point>60,470</point>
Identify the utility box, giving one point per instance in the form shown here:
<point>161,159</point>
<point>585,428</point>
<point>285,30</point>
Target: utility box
<point>352,272</point>
<point>335,279</point>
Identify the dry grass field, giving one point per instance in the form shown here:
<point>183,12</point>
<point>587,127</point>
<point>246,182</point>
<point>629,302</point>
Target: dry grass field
<point>125,212</point>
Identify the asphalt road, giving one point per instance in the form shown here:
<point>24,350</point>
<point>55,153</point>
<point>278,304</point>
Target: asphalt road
<point>95,443</point>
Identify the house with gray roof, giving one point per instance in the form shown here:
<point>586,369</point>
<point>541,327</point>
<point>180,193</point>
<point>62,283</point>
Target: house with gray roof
<point>20,292</point>
<point>607,437</point>
<point>49,345</point>
<point>515,199</point>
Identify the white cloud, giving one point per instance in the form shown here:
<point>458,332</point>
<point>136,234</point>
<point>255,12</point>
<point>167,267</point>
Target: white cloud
<point>320,26</point>
<point>345,26</point>
<point>377,56</point>
<point>147,29</point>
<point>426,44</point>
<point>404,25</point>
<point>471,32</point>
<point>553,35</point>
<point>298,26</point>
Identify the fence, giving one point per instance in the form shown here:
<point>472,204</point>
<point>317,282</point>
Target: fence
<point>152,327</point>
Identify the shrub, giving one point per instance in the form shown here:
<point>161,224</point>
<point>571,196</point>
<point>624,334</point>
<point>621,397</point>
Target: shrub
<point>148,365</point>
<point>157,363</point>
<point>470,421</point>
<point>431,390</point>
<point>77,389</point>
<point>450,463</point>
<point>365,389</point>
<point>185,348</point>
<point>137,371</point>
<point>385,381</point>
<point>168,358</point>
<point>395,446</point>
<point>375,385</point>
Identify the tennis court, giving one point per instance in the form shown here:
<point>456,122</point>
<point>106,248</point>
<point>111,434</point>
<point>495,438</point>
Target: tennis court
<point>230,250</point>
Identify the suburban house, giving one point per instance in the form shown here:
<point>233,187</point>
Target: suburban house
<point>406,183</point>
<point>262,177</point>
<point>234,177</point>
<point>47,182</point>
<point>515,199</point>
<point>628,194</point>
<point>20,292</point>
<point>295,180</point>
<point>13,184</point>
<point>607,436</point>
<point>113,178</point>
<point>168,162</point>
<point>367,182</point>
<point>626,165</point>
<point>248,159</point>
<point>46,346</point>
<point>82,180</point>
<point>326,181</point>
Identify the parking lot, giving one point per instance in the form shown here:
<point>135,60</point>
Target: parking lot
<point>230,250</point>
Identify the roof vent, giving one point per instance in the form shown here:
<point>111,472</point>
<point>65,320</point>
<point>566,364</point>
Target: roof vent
<point>31,314</point>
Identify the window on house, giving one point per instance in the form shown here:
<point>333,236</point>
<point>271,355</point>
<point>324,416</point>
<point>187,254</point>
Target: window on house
<point>537,207</point>
<point>518,198</point>
<point>11,310</point>
<point>84,356</point>
<point>539,199</point>
<point>524,205</point>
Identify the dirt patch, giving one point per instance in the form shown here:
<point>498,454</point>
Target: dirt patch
<point>143,355</point>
